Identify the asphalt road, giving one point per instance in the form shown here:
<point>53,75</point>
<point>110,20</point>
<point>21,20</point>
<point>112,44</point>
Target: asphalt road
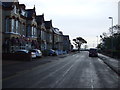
<point>74,71</point>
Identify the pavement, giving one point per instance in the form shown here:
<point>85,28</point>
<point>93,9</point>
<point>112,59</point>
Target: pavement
<point>114,64</point>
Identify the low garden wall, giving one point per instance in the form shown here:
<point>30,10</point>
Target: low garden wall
<point>13,56</point>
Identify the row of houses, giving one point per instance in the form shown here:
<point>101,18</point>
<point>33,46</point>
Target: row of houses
<point>23,29</point>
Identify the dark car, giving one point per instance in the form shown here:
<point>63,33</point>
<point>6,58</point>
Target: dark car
<point>24,54</point>
<point>52,52</point>
<point>49,52</point>
<point>93,52</point>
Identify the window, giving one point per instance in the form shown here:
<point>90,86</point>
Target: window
<point>32,31</point>
<point>12,25</point>
<point>23,13</point>
<point>41,34</point>
<point>23,30</point>
<point>15,10</point>
<point>16,27</point>
<point>28,30</point>
<point>7,25</point>
<point>35,32</point>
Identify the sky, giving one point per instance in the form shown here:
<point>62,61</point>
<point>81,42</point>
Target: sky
<point>78,18</point>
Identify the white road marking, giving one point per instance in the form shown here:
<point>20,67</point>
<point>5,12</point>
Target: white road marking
<point>68,70</point>
<point>51,74</point>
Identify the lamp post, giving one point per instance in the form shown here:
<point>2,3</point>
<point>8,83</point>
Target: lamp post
<point>112,34</point>
<point>97,40</point>
<point>112,24</point>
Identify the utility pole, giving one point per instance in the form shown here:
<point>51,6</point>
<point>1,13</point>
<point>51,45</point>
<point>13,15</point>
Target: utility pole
<point>97,41</point>
<point>111,34</point>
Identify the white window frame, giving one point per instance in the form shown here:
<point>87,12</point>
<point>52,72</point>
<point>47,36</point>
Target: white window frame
<point>23,12</point>
<point>15,9</point>
<point>17,26</point>
<point>32,31</point>
<point>12,25</point>
<point>35,32</point>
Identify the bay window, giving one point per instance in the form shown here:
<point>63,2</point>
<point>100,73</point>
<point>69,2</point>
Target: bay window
<point>12,25</point>
<point>17,27</point>
<point>15,10</point>
<point>7,25</point>
<point>29,30</point>
<point>34,32</point>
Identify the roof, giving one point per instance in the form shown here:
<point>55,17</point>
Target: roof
<point>48,24</point>
<point>30,13</point>
<point>7,4</point>
<point>40,18</point>
<point>66,37</point>
<point>22,6</point>
<point>56,31</point>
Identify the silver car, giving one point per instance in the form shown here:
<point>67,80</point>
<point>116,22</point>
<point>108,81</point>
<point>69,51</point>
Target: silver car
<point>37,52</point>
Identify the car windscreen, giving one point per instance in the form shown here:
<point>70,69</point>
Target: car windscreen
<point>93,50</point>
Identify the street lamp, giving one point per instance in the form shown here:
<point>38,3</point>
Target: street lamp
<point>112,24</point>
<point>111,33</point>
<point>97,40</point>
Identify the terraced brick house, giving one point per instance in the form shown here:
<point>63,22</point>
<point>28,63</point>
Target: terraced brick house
<point>41,34</point>
<point>13,26</point>
<point>23,29</point>
<point>49,34</point>
<point>57,39</point>
<point>66,43</point>
<point>31,28</point>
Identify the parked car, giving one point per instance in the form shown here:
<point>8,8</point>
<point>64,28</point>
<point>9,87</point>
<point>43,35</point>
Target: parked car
<point>64,52</point>
<point>37,52</point>
<point>25,52</point>
<point>49,52</point>
<point>52,52</point>
<point>93,52</point>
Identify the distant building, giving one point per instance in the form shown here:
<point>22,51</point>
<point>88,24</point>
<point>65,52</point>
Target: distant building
<point>49,33</point>
<point>41,32</point>
<point>66,43</point>
<point>57,39</point>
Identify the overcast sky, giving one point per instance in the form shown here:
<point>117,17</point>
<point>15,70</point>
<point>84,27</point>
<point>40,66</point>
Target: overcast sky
<point>84,18</point>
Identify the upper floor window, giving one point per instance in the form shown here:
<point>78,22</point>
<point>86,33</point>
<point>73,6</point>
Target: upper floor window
<point>17,27</point>
<point>42,34</point>
<point>23,12</point>
<point>33,19</point>
<point>12,25</point>
<point>7,23</point>
<point>34,32</point>
<point>29,30</point>
<point>23,30</point>
<point>15,10</point>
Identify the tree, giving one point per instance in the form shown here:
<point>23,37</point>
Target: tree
<point>78,42</point>
<point>111,43</point>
